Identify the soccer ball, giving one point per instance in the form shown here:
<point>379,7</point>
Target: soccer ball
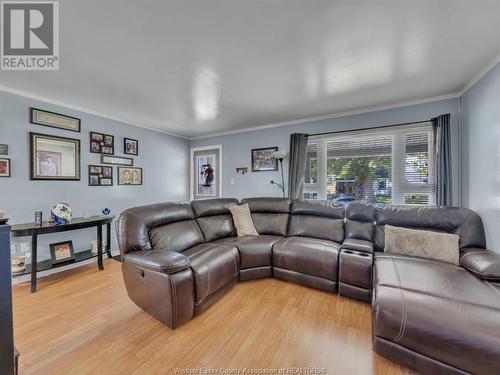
<point>61,213</point>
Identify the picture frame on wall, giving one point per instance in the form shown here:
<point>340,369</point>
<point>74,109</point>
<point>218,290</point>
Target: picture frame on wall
<point>262,161</point>
<point>5,169</point>
<point>54,120</point>
<point>130,146</point>
<point>129,176</point>
<point>100,175</point>
<point>117,160</point>
<point>54,158</point>
<point>62,252</point>
<point>4,149</point>
<point>206,171</point>
<point>101,143</point>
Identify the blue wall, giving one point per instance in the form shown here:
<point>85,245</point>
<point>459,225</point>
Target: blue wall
<point>165,160</point>
<point>480,123</point>
<point>236,147</point>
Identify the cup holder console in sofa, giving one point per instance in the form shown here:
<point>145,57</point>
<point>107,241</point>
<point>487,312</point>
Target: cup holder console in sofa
<point>434,317</point>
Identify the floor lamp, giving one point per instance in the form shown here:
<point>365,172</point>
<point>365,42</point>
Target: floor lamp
<point>280,155</point>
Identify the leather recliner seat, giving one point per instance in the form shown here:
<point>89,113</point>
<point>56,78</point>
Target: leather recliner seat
<point>434,317</point>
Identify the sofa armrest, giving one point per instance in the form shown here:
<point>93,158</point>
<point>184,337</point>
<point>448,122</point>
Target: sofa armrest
<point>164,261</point>
<point>358,245</point>
<point>484,264</point>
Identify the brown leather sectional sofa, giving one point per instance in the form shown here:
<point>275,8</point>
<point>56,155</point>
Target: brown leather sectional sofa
<point>434,317</point>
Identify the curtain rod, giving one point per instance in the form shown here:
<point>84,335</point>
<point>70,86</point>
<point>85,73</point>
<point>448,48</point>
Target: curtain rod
<point>371,128</point>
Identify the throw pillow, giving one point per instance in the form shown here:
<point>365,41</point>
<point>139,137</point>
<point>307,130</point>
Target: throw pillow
<point>243,220</point>
<point>422,243</point>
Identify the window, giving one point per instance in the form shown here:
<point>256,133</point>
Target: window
<point>381,166</point>
<point>311,176</point>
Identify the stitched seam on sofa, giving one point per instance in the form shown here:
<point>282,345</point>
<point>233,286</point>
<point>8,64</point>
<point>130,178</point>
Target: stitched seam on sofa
<point>455,370</point>
<point>161,267</point>
<point>174,301</point>
<point>356,245</point>
<point>482,275</point>
<point>458,301</point>
<point>472,252</point>
<point>361,289</point>
<point>403,300</point>
<point>463,223</point>
<point>306,275</point>
<point>321,242</point>
<point>283,248</point>
<point>418,259</point>
<point>492,287</point>
<point>235,276</point>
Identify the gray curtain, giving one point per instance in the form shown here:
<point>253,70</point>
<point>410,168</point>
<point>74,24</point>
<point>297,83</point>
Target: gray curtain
<point>442,143</point>
<point>297,165</point>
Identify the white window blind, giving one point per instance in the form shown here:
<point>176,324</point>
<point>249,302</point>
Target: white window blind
<point>389,166</point>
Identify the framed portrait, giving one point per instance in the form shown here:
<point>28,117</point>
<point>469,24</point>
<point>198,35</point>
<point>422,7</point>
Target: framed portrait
<point>129,176</point>
<point>5,167</point>
<point>100,175</point>
<point>117,160</point>
<point>54,158</point>
<point>54,120</point>
<point>62,252</point>
<point>101,143</point>
<point>206,167</point>
<point>263,161</point>
<point>130,146</point>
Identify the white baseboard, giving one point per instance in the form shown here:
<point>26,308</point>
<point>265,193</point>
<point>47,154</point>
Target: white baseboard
<point>16,280</point>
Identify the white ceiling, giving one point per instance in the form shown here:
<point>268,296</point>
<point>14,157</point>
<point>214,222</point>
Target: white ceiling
<point>201,67</point>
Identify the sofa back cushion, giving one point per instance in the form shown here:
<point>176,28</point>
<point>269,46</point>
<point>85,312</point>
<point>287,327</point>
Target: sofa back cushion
<point>155,226</point>
<point>360,218</point>
<point>460,221</point>
<point>177,236</point>
<point>317,219</point>
<point>270,215</point>
<point>214,218</point>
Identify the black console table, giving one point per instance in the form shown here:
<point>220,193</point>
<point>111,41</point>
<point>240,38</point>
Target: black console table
<point>6,330</point>
<point>33,230</point>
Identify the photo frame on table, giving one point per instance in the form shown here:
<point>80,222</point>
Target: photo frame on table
<point>62,252</point>
<point>130,146</point>
<point>54,120</point>
<point>101,143</point>
<point>262,161</point>
<point>100,175</point>
<point>54,158</point>
<point>117,160</point>
<point>129,176</point>
<point>5,168</point>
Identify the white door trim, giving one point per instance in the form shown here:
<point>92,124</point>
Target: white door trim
<point>191,171</point>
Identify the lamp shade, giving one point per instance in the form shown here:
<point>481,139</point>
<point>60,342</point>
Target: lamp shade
<point>280,154</point>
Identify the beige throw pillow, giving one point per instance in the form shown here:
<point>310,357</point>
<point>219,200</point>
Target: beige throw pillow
<point>422,243</point>
<point>243,220</point>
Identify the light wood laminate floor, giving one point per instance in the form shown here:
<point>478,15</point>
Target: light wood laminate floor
<point>82,322</point>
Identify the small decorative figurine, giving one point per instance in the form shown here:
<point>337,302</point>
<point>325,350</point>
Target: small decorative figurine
<point>61,214</point>
<point>106,211</point>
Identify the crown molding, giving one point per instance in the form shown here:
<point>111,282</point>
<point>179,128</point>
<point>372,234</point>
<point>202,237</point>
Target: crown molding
<point>85,110</point>
<point>478,77</point>
<point>245,130</point>
<point>332,116</point>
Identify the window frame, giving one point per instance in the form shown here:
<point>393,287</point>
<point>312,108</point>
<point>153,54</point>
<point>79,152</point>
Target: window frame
<point>400,186</point>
